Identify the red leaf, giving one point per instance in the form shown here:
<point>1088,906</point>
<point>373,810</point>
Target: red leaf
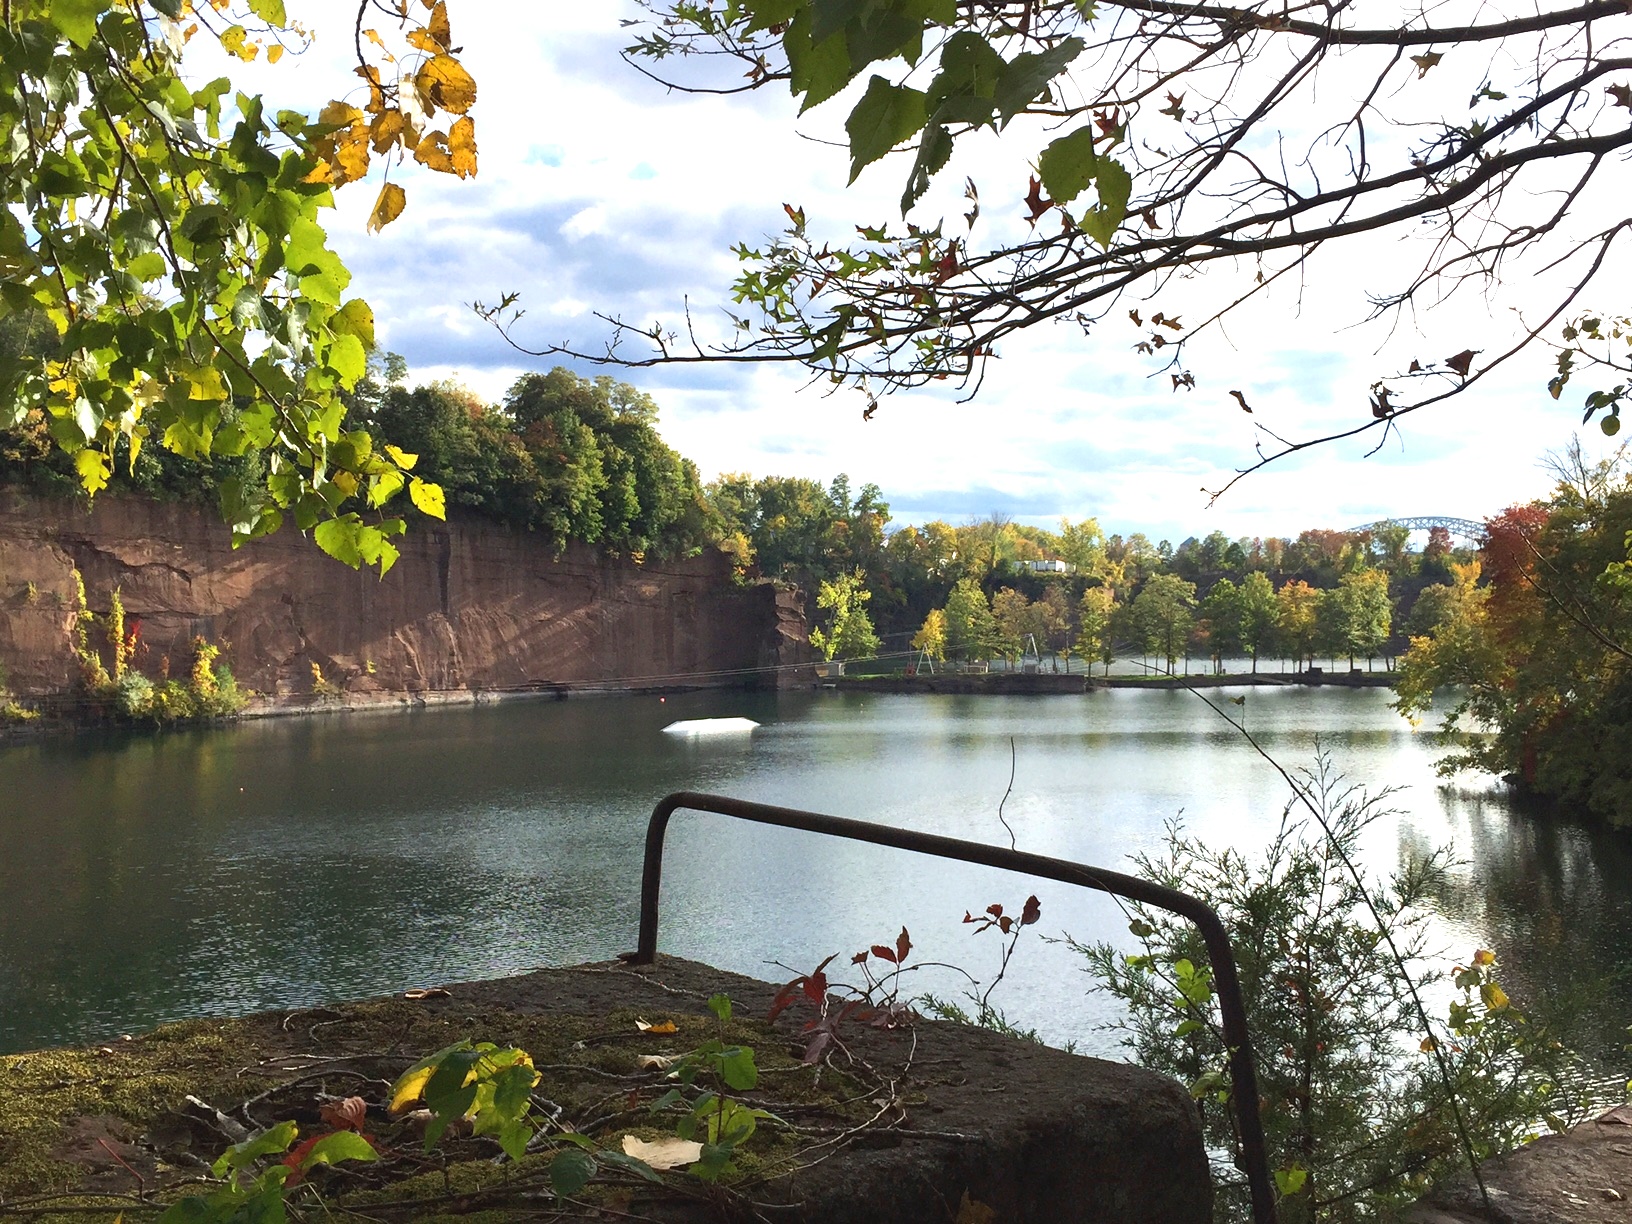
<point>968,917</point>
<point>995,910</point>
<point>1033,910</point>
<point>1003,924</point>
<point>1036,205</point>
<point>903,945</point>
<point>784,997</point>
<point>858,958</point>
<point>816,987</point>
<point>884,954</point>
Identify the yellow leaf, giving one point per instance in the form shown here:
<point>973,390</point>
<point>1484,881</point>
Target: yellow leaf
<point>339,114</point>
<point>665,1153</point>
<point>346,482</point>
<point>386,130</point>
<point>274,53</point>
<point>423,41</point>
<point>433,152</point>
<point>204,383</point>
<point>437,26</point>
<point>376,95</point>
<point>409,1089</point>
<point>444,81</point>
<point>429,499</point>
<point>462,144</point>
<point>387,208</point>
<point>320,172</point>
<point>665,1026</point>
<point>93,468</point>
<point>400,457</point>
<point>1484,957</point>
<point>373,36</point>
<point>973,1211</point>
<point>350,157</point>
<point>1494,996</point>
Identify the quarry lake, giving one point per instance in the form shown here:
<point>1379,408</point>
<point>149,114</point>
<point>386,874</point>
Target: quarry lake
<point>282,864</point>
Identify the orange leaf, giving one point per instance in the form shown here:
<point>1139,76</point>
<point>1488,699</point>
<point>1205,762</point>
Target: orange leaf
<point>664,1026</point>
<point>437,27</point>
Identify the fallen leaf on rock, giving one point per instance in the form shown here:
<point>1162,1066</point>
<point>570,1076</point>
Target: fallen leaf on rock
<point>655,1062</point>
<point>435,992</point>
<point>665,1153</point>
<point>973,1211</point>
<point>666,1026</point>
<point>348,1114</point>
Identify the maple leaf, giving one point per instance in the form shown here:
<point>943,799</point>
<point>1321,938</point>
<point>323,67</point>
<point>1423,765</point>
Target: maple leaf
<point>1242,400</point>
<point>1463,361</point>
<point>1036,205</point>
<point>1174,107</point>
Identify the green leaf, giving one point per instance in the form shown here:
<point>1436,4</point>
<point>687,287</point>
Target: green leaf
<point>818,70</point>
<point>94,469</point>
<point>342,1145</point>
<point>428,498</point>
<point>76,19</point>
<point>346,358</point>
<point>268,1143</point>
<point>338,538</point>
<point>631,1164</point>
<point>886,115</point>
<point>570,1172</point>
<point>269,11</point>
<point>1114,185</point>
<point>1068,165</point>
<point>737,1069</point>
<point>355,318</point>
<point>513,1090</point>
<point>1028,75</point>
<point>720,1005</point>
<point>1290,1181</point>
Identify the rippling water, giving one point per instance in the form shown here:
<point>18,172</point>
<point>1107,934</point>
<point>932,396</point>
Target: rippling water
<point>280,864</point>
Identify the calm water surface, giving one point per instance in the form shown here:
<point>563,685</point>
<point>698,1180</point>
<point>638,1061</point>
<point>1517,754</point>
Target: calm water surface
<point>288,863</point>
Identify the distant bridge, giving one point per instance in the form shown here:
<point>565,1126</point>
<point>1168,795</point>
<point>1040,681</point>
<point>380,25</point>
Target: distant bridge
<point>1467,529</point>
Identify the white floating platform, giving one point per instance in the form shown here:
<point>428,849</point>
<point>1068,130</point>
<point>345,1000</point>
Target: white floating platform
<point>711,726</point>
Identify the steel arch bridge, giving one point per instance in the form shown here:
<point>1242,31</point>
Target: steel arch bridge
<point>1467,529</point>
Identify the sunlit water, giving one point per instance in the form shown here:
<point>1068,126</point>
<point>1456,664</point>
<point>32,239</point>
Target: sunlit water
<point>282,864</point>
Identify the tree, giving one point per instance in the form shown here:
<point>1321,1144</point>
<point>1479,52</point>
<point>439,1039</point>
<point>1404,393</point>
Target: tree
<point>850,633</point>
<point>1258,609</point>
<point>1297,607</point>
<point>1164,611</point>
<point>931,637</point>
<point>1143,120</point>
<point>971,632</point>
<point>1011,611</point>
<point>180,268</point>
<point>1096,610</point>
<point>1368,617</point>
<point>1222,610</point>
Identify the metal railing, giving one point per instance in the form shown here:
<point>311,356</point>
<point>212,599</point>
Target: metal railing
<point>1232,1009</point>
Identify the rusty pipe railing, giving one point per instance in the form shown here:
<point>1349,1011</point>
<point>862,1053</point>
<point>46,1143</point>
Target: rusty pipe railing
<point>1232,1008</point>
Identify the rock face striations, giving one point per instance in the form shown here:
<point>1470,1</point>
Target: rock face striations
<point>471,607</point>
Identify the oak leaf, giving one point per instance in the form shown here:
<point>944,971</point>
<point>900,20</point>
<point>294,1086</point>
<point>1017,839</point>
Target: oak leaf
<point>1462,362</point>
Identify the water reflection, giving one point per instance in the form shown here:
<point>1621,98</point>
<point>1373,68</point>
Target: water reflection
<point>281,864</point>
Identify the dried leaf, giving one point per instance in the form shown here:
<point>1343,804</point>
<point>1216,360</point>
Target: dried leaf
<point>348,1114</point>
<point>1242,400</point>
<point>433,152</point>
<point>663,1026</point>
<point>664,1153</point>
<point>1462,362</point>
<point>433,992</point>
<point>654,1062</point>
<point>973,1211</point>
<point>386,130</point>
<point>1425,61</point>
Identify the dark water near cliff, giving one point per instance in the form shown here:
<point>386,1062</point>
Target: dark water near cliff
<point>282,864</point>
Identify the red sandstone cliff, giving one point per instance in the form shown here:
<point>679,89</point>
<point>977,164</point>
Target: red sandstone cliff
<point>470,606</point>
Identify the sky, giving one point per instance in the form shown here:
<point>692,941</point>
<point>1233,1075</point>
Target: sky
<point>600,191</point>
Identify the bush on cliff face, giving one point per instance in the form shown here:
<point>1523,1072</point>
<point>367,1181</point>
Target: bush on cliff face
<point>210,691</point>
